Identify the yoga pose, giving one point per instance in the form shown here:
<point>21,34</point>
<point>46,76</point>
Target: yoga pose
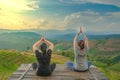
<point>80,49</point>
<point>43,57</point>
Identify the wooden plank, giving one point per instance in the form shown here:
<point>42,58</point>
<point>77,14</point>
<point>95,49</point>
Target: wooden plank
<point>20,78</point>
<point>61,72</point>
<point>98,74</point>
<point>20,71</point>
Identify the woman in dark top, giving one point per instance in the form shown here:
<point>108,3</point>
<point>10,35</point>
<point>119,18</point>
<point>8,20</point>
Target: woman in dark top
<point>43,57</point>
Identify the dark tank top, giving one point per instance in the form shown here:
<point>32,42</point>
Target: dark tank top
<point>44,62</point>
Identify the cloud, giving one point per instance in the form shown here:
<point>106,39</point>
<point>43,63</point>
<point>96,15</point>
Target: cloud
<point>109,2</point>
<point>18,5</point>
<point>11,17</point>
<point>47,24</point>
<point>33,5</point>
<point>94,21</point>
<point>80,15</point>
<point>19,22</point>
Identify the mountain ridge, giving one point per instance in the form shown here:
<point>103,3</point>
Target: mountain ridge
<point>25,40</point>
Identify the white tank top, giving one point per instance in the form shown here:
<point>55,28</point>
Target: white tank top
<point>80,60</point>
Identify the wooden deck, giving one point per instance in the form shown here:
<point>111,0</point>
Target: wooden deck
<point>25,72</point>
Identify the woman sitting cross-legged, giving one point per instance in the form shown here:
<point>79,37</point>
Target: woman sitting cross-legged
<point>43,57</point>
<point>80,49</point>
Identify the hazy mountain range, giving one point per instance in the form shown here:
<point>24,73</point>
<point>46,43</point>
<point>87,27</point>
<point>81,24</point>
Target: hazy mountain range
<point>23,40</point>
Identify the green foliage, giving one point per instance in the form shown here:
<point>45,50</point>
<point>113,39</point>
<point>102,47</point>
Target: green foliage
<point>10,61</point>
<point>63,46</point>
<point>110,73</point>
<point>115,67</point>
<point>67,53</point>
<point>108,61</point>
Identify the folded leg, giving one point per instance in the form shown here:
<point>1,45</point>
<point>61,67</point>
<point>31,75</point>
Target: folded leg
<point>70,65</point>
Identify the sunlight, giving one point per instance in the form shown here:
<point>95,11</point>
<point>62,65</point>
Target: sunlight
<point>11,17</point>
<point>14,21</point>
<point>14,5</point>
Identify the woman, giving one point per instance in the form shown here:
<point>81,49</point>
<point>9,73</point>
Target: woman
<point>43,57</point>
<point>80,49</point>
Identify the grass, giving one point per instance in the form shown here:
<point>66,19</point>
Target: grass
<point>11,60</point>
<point>115,67</point>
<point>111,74</point>
<point>59,59</point>
<point>100,57</point>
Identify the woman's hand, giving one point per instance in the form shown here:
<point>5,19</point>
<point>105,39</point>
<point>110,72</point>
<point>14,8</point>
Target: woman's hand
<point>81,29</point>
<point>43,38</point>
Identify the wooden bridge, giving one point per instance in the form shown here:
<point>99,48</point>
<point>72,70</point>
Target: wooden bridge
<point>25,72</point>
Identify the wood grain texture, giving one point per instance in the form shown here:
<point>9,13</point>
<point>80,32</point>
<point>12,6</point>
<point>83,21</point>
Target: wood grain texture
<point>61,72</point>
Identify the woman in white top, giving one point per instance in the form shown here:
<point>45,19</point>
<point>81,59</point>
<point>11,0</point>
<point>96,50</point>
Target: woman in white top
<point>80,49</point>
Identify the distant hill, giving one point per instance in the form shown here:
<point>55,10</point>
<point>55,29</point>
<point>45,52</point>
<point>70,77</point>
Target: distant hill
<point>18,40</point>
<point>70,36</point>
<point>25,40</point>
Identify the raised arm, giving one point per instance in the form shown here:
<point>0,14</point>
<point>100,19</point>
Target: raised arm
<point>51,45</point>
<point>76,38</point>
<point>84,36</point>
<point>37,44</point>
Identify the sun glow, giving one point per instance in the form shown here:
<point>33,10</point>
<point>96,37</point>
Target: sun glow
<point>10,16</point>
<point>14,5</point>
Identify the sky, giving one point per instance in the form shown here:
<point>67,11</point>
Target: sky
<point>100,16</point>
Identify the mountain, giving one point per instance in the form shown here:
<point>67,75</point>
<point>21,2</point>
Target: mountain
<point>23,40</point>
<point>18,40</point>
<point>70,36</point>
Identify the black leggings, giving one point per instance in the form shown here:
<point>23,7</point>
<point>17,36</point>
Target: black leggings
<point>43,72</point>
